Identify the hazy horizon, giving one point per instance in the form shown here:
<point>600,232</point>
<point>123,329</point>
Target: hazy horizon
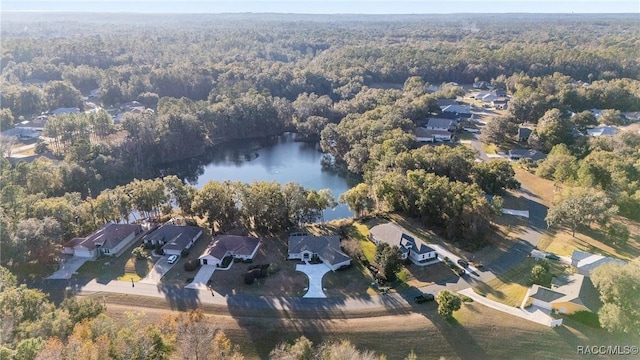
<point>326,7</point>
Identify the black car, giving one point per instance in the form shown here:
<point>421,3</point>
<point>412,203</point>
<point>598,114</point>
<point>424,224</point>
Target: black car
<point>463,263</point>
<point>553,257</point>
<point>424,298</point>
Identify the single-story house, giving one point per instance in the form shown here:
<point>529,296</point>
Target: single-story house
<point>603,131</point>
<point>443,103</point>
<point>221,246</point>
<point>410,246</point>
<point>632,116</point>
<point>567,295</point>
<point>61,111</point>
<point>326,248</point>
<point>463,111</point>
<point>481,85</point>
<point>424,135</point>
<point>440,124</point>
<point>500,92</point>
<point>21,133</point>
<point>174,238</point>
<point>586,262</point>
<point>488,97</point>
<point>500,103</point>
<point>110,240</point>
<point>534,155</point>
<point>38,123</point>
<point>524,134</point>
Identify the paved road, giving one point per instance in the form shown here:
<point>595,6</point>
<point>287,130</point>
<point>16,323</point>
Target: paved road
<point>180,297</point>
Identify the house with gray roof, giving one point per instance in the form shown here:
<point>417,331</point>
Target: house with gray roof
<point>326,248</point>
<point>440,124</point>
<point>21,133</point>
<point>411,247</point>
<point>567,295</point>
<point>63,110</point>
<point>173,238</point>
<point>110,240</point>
<point>463,111</point>
<point>532,154</point>
<point>586,262</point>
<point>239,247</point>
<point>524,133</point>
<point>603,131</point>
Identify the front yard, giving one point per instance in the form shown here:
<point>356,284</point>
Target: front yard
<point>124,267</point>
<point>511,287</point>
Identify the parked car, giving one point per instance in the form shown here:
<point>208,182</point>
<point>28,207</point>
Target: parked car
<point>172,259</point>
<point>463,263</point>
<point>553,257</point>
<point>422,298</point>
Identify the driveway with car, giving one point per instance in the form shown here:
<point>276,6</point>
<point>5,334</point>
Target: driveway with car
<point>160,268</point>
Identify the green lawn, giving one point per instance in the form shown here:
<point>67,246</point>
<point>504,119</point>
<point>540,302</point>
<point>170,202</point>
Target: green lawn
<point>360,232</point>
<point>123,267</point>
<point>511,287</point>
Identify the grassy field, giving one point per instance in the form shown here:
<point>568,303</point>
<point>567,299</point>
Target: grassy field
<point>540,188</point>
<point>476,332</point>
<point>511,287</point>
<point>561,241</point>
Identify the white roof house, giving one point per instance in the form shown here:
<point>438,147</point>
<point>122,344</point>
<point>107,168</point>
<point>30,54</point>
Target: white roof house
<point>586,262</point>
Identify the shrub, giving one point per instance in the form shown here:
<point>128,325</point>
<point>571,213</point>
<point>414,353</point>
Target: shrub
<point>191,265</point>
<point>586,317</point>
<point>273,268</point>
<point>249,278</point>
<point>139,253</point>
<point>184,252</point>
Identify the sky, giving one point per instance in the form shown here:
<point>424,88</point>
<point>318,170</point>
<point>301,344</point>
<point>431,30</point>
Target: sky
<point>328,6</point>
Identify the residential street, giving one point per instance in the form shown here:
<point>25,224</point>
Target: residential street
<point>202,295</point>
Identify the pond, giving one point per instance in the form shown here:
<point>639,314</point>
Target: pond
<point>279,159</point>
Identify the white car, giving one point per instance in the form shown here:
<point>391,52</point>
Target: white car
<point>172,259</point>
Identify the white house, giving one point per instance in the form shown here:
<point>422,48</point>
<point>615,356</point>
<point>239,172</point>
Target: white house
<point>586,262</point>
<point>326,248</point>
<point>239,247</point>
<point>174,238</point>
<point>410,246</point>
<point>110,240</point>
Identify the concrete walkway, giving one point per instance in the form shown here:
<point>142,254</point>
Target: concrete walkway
<point>315,273</point>
<point>534,314</point>
<point>69,267</point>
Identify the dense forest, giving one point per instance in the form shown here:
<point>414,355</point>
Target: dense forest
<point>357,85</point>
